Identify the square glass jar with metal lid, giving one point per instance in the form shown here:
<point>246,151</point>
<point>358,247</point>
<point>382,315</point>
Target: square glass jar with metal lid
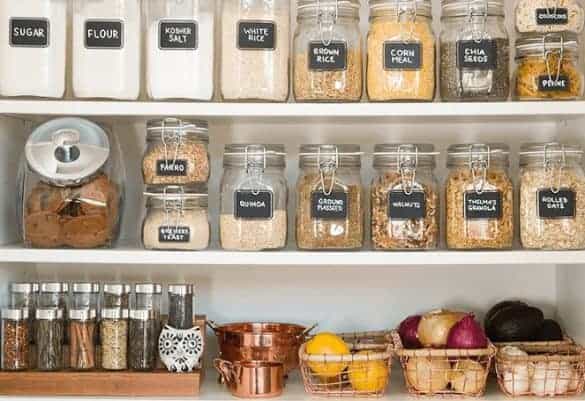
<point>547,67</point>
<point>176,152</point>
<point>405,197</point>
<point>49,338</point>
<point>474,51</point>
<point>546,16</point>
<point>147,296</point>
<point>85,295</point>
<point>176,218</point>
<point>254,197</point>
<point>479,197</point>
<point>327,63</point>
<point>114,339</point>
<point>552,196</point>
<point>116,295</point>
<point>181,306</point>
<point>15,332</point>
<point>330,202</point>
<point>401,51</point>
<point>82,331</point>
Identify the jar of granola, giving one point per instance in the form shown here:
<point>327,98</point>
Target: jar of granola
<point>552,196</point>
<point>404,197</point>
<point>479,197</point>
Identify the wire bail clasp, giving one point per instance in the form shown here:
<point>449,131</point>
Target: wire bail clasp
<point>553,165</point>
<point>477,34</point>
<point>253,169</point>
<point>407,167</point>
<point>173,205</point>
<point>479,165</point>
<point>548,52</point>
<point>327,24</point>
<point>172,138</point>
<point>412,10</point>
<point>326,167</point>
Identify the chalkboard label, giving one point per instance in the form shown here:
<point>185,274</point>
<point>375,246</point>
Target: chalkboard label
<point>177,35</point>
<point>404,207</point>
<point>256,35</point>
<point>29,32</point>
<point>171,168</point>
<point>479,55</point>
<point>253,205</point>
<point>402,56</point>
<point>174,234</point>
<point>557,205</point>
<point>329,207</point>
<point>552,16</point>
<point>551,84</point>
<point>104,34</point>
<point>485,205</point>
<point>332,57</point>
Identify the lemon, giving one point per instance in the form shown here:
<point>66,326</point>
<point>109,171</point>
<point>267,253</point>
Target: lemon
<point>327,344</point>
<point>368,376</point>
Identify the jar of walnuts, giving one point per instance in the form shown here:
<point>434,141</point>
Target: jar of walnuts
<point>479,197</point>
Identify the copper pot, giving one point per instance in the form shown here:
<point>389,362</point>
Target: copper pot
<point>252,379</point>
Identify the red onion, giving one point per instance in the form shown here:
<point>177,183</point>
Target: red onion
<point>467,334</point>
<point>408,331</point>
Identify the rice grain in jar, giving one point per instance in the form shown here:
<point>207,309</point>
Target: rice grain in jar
<point>114,339</point>
<point>549,16</point>
<point>552,196</point>
<point>479,197</point>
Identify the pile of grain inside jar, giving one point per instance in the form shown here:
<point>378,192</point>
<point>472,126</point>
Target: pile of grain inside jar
<point>15,339</point>
<point>549,16</point>
<point>114,338</point>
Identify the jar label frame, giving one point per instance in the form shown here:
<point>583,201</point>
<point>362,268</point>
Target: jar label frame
<point>403,206</point>
<point>399,55</point>
<point>484,205</point>
<point>29,32</point>
<point>559,16</point>
<point>256,35</point>
<point>249,204</point>
<point>548,84</point>
<point>556,205</point>
<point>181,234</point>
<point>477,55</point>
<point>110,32</point>
<point>334,206</point>
<point>172,168</point>
<point>331,57</point>
<point>178,34</point>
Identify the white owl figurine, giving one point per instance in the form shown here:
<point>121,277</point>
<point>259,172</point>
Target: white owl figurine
<point>180,350</point>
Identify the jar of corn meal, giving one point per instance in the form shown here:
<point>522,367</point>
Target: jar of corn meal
<point>474,51</point>
<point>549,16</point>
<point>479,197</point>
<point>552,196</point>
<point>401,51</point>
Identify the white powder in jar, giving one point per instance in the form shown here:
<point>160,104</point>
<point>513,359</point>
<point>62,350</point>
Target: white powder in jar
<point>549,16</point>
<point>253,234</point>
<point>33,40</point>
<point>187,230</point>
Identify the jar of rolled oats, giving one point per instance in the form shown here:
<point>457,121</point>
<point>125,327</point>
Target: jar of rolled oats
<point>552,196</point>
<point>479,197</point>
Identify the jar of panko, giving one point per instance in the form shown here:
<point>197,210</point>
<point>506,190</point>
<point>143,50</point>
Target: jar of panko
<point>401,51</point>
<point>547,67</point>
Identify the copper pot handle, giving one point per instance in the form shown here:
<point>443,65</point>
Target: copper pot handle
<point>225,369</point>
<point>212,325</point>
<point>302,336</point>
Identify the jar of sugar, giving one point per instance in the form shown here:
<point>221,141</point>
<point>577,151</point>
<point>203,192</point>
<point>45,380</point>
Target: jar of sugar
<point>179,38</point>
<point>33,41</point>
<point>106,49</point>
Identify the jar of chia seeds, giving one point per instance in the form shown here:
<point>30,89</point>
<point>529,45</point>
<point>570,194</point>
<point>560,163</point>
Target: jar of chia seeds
<point>147,296</point>
<point>144,330</point>
<point>49,332</point>
<point>181,306</point>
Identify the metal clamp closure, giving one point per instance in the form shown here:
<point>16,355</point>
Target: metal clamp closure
<point>412,12</point>
<point>253,170</point>
<point>173,206</point>
<point>173,139</point>
<point>479,166</point>
<point>407,167</point>
<point>547,52</point>
<point>327,24</point>
<point>328,167</point>
<point>477,35</point>
<point>554,167</point>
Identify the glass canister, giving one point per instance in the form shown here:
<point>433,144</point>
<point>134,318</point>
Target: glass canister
<point>49,335</point>
<point>148,296</point>
<point>179,49</point>
<point>254,197</point>
<point>116,295</point>
<point>546,16</point>
<point>144,330</point>
<point>330,212</point>
<point>479,197</point>
<point>547,67</point>
<point>327,60</point>
<point>114,339</point>
<point>25,296</point>
<point>181,306</point>
<point>15,339</point>
<point>106,49</point>
<point>255,50</point>
<point>82,330</point>
<point>176,218</point>
<point>85,295</point>
<point>53,295</point>
<point>405,197</point>
<point>176,152</point>
<point>552,196</point>
<point>474,51</point>
<point>33,36</point>
<point>401,51</point>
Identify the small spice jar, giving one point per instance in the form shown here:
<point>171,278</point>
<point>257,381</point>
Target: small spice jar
<point>552,196</point>
<point>549,16</point>
<point>143,329</point>
<point>116,295</point>
<point>330,199</point>
<point>82,336</point>
<point>85,295</point>
<point>180,306</point>
<point>114,338</point>
<point>49,334</point>
<point>401,51</point>
<point>25,296</point>
<point>176,152</point>
<point>327,62</point>
<point>547,67</point>
<point>404,197</point>
<point>254,197</point>
<point>479,197</point>
<point>54,295</point>
<point>176,218</point>
<point>15,339</point>
<point>474,54</point>
<point>148,296</point>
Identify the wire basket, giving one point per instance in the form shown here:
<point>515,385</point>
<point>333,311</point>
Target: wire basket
<point>547,371</point>
<point>357,374</point>
<point>444,372</point>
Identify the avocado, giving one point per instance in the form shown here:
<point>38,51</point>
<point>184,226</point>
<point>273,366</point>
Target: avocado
<point>496,308</point>
<point>549,331</point>
<point>515,323</point>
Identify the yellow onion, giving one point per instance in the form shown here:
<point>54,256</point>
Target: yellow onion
<point>468,377</point>
<point>428,375</point>
<point>434,327</point>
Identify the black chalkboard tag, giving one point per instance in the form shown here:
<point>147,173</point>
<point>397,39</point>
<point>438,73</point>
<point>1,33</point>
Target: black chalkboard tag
<point>253,205</point>
<point>402,56</point>
<point>177,35</point>
<point>174,234</point>
<point>332,57</point>
<point>405,207</point>
<point>29,32</point>
<point>557,205</point>
<point>256,35</point>
<point>104,34</point>
<point>548,84</point>
<point>329,207</point>
<point>478,55</point>
<point>485,205</point>
<point>171,168</point>
<point>552,16</point>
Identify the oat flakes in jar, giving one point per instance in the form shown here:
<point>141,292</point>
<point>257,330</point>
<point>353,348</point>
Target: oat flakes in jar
<point>479,197</point>
<point>404,197</point>
<point>552,196</point>
<point>330,198</point>
<point>401,51</point>
<point>549,16</point>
